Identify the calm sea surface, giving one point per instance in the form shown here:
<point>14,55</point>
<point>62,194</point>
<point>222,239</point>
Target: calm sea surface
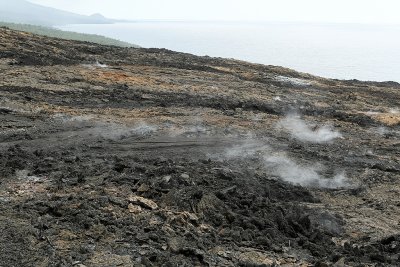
<point>342,51</point>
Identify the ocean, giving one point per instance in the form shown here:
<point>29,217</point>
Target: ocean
<point>341,51</point>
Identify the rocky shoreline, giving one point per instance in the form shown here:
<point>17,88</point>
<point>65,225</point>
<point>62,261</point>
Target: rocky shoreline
<point>148,157</point>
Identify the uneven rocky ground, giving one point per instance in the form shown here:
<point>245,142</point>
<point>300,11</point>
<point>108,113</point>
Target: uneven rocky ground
<point>145,157</point>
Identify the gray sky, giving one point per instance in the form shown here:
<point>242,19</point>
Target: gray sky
<point>354,11</point>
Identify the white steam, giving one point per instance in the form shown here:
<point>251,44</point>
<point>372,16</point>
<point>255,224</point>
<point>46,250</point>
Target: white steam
<point>64,118</point>
<point>382,130</point>
<point>291,172</point>
<point>143,128</point>
<point>89,126</point>
<point>279,164</point>
<point>115,132</point>
<point>249,149</point>
<point>100,65</point>
<point>303,131</point>
<point>293,81</point>
<point>95,65</point>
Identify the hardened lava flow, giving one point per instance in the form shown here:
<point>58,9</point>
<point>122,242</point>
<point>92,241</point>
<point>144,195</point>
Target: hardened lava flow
<point>148,157</point>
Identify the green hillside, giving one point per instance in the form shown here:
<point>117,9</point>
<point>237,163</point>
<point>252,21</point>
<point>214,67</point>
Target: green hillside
<point>52,32</point>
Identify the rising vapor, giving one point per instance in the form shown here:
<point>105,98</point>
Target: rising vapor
<point>303,131</point>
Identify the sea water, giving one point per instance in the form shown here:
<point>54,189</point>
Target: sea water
<point>341,51</point>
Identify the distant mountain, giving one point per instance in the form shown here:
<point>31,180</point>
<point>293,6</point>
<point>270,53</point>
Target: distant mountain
<point>53,32</point>
<point>21,11</point>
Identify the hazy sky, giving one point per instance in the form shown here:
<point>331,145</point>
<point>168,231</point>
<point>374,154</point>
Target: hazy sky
<point>357,11</point>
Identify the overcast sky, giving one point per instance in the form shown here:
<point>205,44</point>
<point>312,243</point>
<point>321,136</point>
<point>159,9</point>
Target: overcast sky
<point>354,11</point>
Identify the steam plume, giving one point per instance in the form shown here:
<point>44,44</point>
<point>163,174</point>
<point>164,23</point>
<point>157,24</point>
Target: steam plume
<point>290,171</point>
<point>300,130</point>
